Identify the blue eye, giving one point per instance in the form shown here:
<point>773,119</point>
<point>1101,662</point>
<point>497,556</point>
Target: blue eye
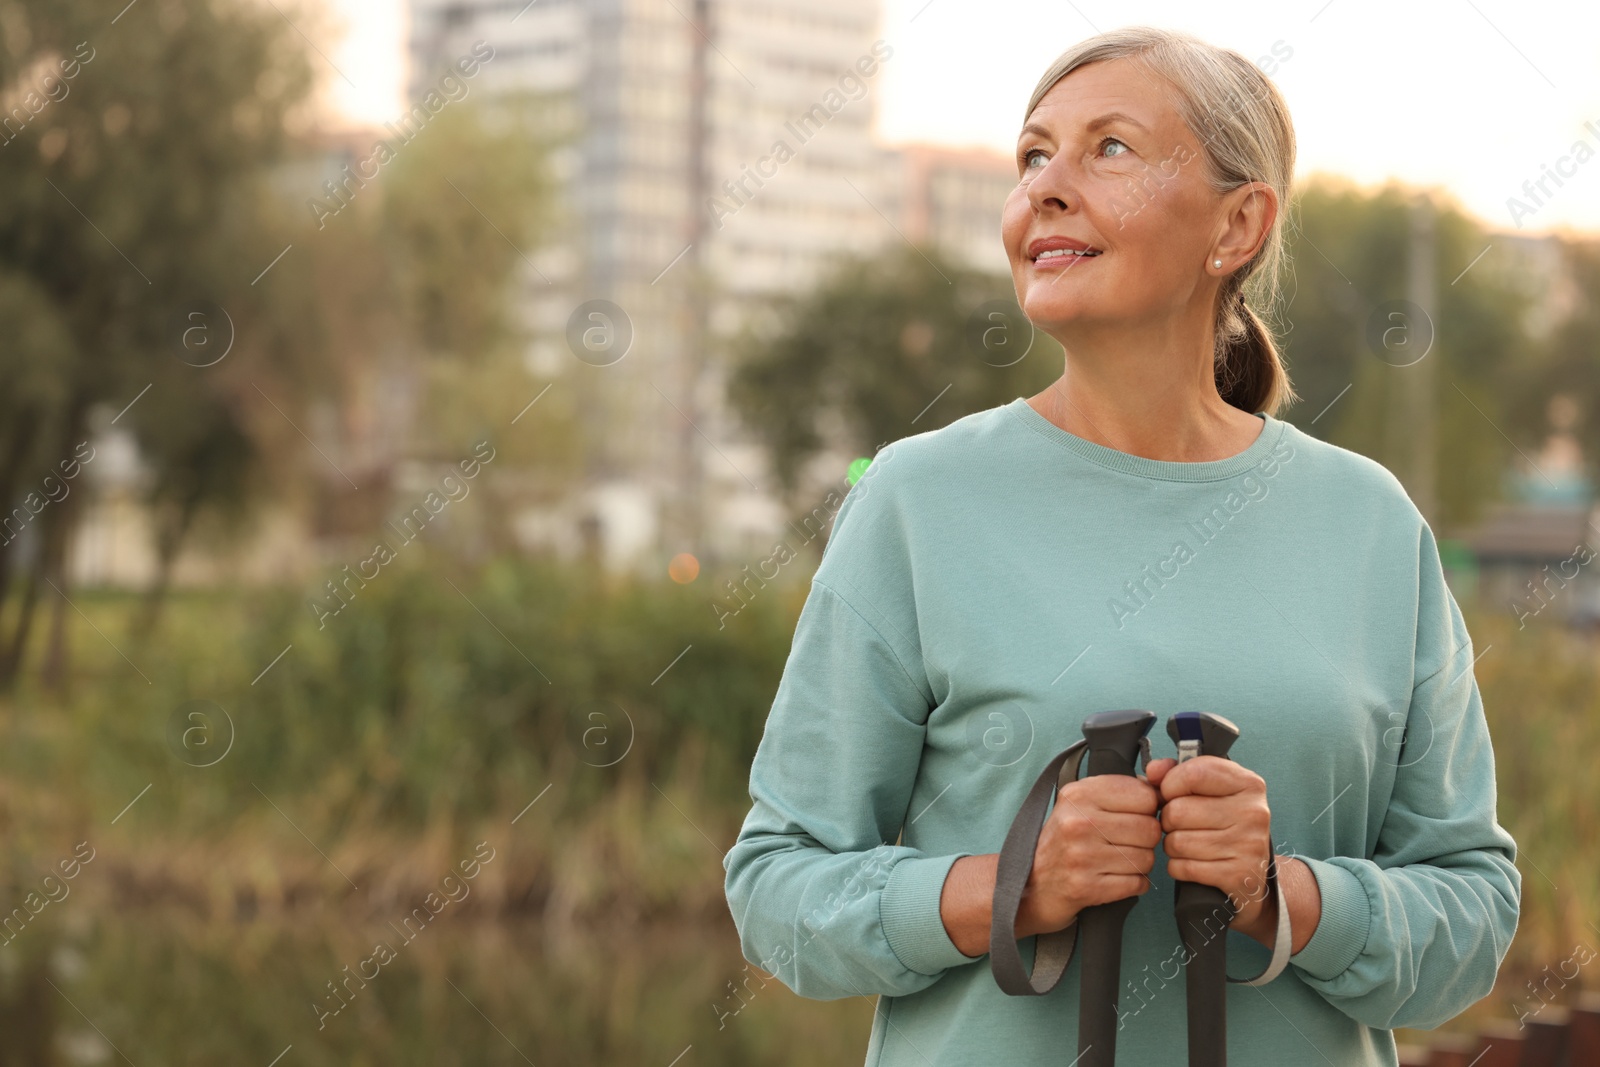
<point>1025,157</point>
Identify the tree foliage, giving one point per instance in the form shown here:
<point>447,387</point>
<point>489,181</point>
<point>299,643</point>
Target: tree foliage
<point>886,346</point>
<point>1351,252</point>
<point>133,162</point>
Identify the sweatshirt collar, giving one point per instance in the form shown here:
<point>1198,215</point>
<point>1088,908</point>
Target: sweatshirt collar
<point>1139,466</point>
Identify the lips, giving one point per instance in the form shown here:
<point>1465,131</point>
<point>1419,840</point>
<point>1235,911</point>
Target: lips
<point>1066,249</point>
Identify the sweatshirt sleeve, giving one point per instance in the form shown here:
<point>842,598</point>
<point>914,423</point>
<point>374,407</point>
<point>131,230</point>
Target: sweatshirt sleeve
<point>1415,933</point>
<point>820,895</point>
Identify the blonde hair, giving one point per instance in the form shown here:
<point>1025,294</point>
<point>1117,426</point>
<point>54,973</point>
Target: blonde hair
<point>1242,123</point>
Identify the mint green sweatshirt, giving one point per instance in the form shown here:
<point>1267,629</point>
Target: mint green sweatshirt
<point>987,586</point>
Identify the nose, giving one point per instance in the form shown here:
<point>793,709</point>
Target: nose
<point>1055,186</point>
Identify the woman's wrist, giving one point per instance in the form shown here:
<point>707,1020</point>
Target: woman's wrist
<point>1303,899</point>
<point>967,902</point>
<point>1262,925</point>
<point>966,906</point>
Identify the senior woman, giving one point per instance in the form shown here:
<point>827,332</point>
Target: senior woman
<point>1144,533</point>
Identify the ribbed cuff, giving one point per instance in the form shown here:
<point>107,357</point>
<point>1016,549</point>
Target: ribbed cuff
<point>909,911</point>
<point>1346,921</point>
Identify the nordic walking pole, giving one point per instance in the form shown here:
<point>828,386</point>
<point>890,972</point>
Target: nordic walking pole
<point>1114,738</point>
<point>1204,911</point>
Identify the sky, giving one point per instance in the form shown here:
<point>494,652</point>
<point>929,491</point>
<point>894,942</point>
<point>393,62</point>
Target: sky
<point>1475,97</point>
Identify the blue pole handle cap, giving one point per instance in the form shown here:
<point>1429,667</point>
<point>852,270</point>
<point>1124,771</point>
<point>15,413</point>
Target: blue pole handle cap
<point>1212,734</point>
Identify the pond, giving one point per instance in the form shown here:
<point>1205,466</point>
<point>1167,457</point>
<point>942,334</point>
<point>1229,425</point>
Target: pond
<point>160,986</point>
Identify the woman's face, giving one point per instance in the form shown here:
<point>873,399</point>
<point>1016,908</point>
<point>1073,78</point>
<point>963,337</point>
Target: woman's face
<point>1131,188</point>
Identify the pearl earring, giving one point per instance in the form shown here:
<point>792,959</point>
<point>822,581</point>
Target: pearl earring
<point>1216,262</point>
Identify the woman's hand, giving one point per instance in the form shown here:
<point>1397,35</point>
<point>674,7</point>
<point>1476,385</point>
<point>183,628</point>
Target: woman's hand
<point>1098,845</point>
<point>1217,823</point>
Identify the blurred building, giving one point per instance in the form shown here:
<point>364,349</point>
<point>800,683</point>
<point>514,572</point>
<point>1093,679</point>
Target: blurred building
<point>1537,555</point>
<point>712,155</point>
<point>951,198</point>
<point>1537,561</point>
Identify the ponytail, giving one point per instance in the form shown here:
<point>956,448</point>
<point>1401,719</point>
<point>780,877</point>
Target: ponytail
<point>1249,372</point>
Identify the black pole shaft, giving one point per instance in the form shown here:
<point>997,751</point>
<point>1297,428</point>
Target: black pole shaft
<point>1203,913</point>
<point>1100,936</point>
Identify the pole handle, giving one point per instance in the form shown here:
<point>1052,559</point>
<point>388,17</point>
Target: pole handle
<point>1115,739</point>
<point>1204,912</point>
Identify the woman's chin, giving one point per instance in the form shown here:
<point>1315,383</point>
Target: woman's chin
<point>1047,309</point>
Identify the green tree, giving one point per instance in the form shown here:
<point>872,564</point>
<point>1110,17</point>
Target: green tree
<point>459,221</point>
<point>420,282</point>
<point>133,156</point>
<point>1350,252</point>
<point>886,346</point>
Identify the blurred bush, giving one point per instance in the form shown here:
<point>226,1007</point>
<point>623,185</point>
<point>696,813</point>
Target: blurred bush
<point>440,690</point>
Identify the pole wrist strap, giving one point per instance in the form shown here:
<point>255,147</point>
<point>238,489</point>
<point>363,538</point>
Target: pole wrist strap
<point>1052,951</point>
<point>1283,940</point>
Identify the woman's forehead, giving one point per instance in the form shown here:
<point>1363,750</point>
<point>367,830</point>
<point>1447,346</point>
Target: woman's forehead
<point>1109,87</point>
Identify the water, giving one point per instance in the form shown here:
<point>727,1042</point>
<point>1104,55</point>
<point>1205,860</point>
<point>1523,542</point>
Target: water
<point>160,985</point>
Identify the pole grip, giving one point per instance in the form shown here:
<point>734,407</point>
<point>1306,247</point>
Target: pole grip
<point>1204,912</point>
<point>1114,739</point>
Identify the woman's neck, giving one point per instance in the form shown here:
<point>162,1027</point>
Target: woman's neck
<point>1176,424</point>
